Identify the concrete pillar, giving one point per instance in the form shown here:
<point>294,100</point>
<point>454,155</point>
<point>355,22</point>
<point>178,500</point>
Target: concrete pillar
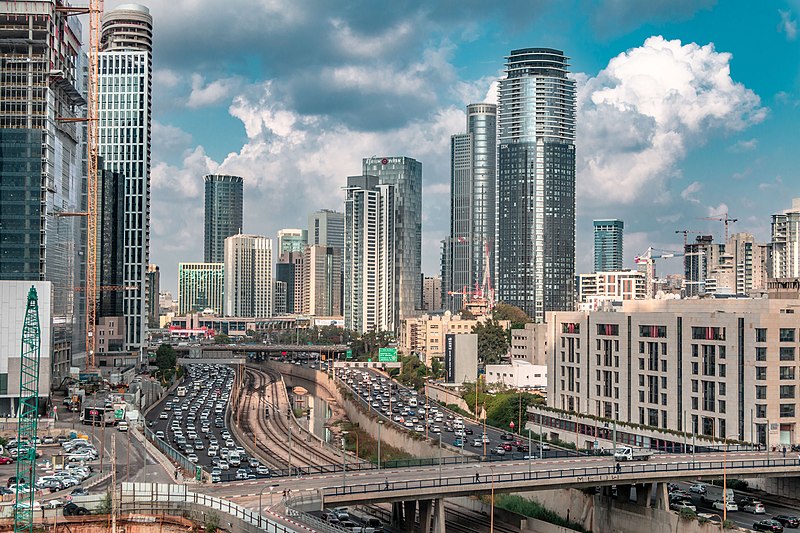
<point>425,515</point>
<point>397,515</point>
<point>648,493</point>
<point>623,493</point>
<point>438,516</point>
<point>661,497</point>
<point>409,515</point>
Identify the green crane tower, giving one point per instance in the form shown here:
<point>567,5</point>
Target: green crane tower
<point>28,415</point>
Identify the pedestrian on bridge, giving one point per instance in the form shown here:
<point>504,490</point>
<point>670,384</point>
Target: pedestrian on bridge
<point>619,468</point>
<point>784,451</point>
<point>477,477</point>
<point>386,486</point>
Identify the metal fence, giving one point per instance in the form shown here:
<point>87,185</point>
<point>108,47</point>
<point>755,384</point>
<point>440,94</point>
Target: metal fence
<point>578,474</point>
<point>161,498</point>
<point>170,452</point>
<point>291,509</point>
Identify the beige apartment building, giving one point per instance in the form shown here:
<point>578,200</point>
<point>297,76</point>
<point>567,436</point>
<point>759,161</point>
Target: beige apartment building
<point>529,344</point>
<point>425,335</point>
<point>726,368</point>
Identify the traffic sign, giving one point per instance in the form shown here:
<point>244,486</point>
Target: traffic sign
<point>348,354</point>
<point>93,412</point>
<point>387,355</point>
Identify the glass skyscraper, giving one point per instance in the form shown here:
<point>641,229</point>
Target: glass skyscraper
<point>608,245</point>
<point>126,78</point>
<point>473,157</point>
<point>223,213</point>
<point>405,174</point>
<point>535,248</point>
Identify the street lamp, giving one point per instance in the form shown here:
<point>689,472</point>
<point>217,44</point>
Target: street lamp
<point>380,423</point>
<point>261,494</point>
<point>344,463</point>
<point>725,480</point>
<point>491,519</point>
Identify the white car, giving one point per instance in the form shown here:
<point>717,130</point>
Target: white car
<point>719,506</point>
<point>698,488</point>
<point>223,465</point>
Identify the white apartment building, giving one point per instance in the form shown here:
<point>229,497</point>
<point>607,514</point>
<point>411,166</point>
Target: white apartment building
<point>726,368</point>
<point>529,344</point>
<point>785,260</point>
<point>369,265</point>
<point>248,276</point>
<point>322,281</point>
<point>517,375</point>
<point>596,289</point>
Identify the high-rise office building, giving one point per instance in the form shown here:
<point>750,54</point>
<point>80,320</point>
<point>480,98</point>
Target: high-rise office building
<point>370,255</point>
<point>322,281</point>
<point>248,276</point>
<point>608,253</point>
<point>125,77</point>
<point>153,288</point>
<point>292,241</point>
<point>201,286</point>
<point>110,244</point>
<point>785,245</point>
<point>326,228</point>
<point>42,165</point>
<point>279,298</point>
<point>535,248</point>
<point>473,157</point>
<point>284,273</point>
<point>431,293</point>
<point>405,174</point>
<point>223,213</point>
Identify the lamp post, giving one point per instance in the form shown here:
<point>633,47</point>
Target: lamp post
<point>344,463</point>
<point>380,424</point>
<point>725,480</point>
<point>491,516</point>
<point>440,458</point>
<point>261,494</point>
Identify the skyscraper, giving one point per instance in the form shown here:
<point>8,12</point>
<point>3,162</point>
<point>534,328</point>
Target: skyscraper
<point>473,156</point>
<point>126,74</point>
<point>41,165</point>
<point>326,228</point>
<point>248,276</point>
<point>223,213</point>
<point>201,286</point>
<point>322,277</point>
<point>405,174</point>
<point>785,246</point>
<point>153,290</point>
<point>370,290</point>
<point>291,240</point>
<point>608,254</point>
<point>110,244</point>
<point>535,248</point>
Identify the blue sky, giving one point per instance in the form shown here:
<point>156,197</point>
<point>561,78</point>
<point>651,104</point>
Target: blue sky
<point>686,109</point>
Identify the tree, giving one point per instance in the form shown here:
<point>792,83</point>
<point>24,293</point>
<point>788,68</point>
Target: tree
<point>517,316</point>
<point>221,338</point>
<point>492,341</point>
<point>166,358</point>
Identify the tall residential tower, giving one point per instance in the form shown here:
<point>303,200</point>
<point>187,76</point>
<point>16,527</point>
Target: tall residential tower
<point>535,248</point>
<point>223,216</point>
<point>248,276</point>
<point>608,245</point>
<point>473,156</point>
<point>126,74</point>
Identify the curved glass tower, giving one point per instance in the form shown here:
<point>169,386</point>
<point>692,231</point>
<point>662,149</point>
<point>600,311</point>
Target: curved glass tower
<point>536,183</point>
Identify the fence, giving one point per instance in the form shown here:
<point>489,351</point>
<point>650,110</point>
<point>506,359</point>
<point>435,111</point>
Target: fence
<point>166,499</point>
<point>170,452</point>
<point>579,475</point>
<point>292,508</point>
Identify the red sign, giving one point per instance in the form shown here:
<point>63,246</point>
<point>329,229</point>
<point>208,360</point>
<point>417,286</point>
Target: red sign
<point>384,161</point>
<point>511,425</point>
<point>93,412</point>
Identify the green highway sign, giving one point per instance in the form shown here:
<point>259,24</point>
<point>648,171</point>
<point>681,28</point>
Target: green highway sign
<point>349,354</point>
<point>387,355</point>
<point>119,414</point>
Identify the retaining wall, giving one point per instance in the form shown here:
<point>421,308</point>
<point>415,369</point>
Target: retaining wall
<point>322,386</point>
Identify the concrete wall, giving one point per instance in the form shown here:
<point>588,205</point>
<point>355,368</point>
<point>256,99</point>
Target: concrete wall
<point>445,395</point>
<point>319,384</point>
<point>788,487</point>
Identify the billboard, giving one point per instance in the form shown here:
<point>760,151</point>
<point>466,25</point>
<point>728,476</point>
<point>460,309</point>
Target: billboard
<point>449,358</point>
<point>387,355</point>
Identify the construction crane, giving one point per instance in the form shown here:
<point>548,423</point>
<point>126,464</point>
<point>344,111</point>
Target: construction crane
<point>649,259</point>
<point>686,233</point>
<point>722,217</point>
<point>28,415</point>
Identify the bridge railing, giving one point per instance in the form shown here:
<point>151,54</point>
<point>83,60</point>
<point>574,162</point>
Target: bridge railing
<point>614,471</point>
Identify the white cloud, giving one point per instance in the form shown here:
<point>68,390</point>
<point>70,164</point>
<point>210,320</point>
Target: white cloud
<point>744,146</point>
<point>787,25</point>
<point>354,44</point>
<point>639,116</point>
<point>203,95</point>
<point>689,192</point>
<point>168,138</point>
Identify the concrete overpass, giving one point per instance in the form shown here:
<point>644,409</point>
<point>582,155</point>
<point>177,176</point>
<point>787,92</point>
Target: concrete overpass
<point>428,486</point>
<point>211,351</point>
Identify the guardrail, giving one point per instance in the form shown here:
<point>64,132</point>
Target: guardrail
<point>316,524</point>
<point>162,498</point>
<point>616,471</point>
<point>170,452</point>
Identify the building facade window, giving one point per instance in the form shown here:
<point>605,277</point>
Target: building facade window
<point>787,353</point>
<point>761,354</point>
<point>787,372</point>
<point>787,335</point>
<point>761,334</point>
<point>787,410</point>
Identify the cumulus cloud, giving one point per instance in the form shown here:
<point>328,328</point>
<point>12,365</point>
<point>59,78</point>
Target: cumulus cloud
<point>640,115</point>
<point>205,95</point>
<point>744,146</point>
<point>787,25</point>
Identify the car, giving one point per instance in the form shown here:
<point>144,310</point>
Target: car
<point>680,505</point>
<point>787,520</point>
<point>679,495</point>
<point>53,504</point>
<point>4,460</point>
<point>485,438</point>
<point>506,436</point>
<point>768,525</point>
<point>79,491</point>
<point>507,447</point>
<point>241,473</point>
<point>160,434</point>
<point>499,451</point>
<point>523,448</point>
<point>262,470</point>
<point>253,462</point>
<point>163,416</point>
<point>468,431</point>
<point>477,442</point>
<point>698,488</point>
<point>215,478</point>
<point>223,465</point>
<point>720,506</point>
<point>193,457</point>
<point>754,507</point>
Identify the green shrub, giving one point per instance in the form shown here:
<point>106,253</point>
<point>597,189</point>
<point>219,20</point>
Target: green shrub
<point>688,514</point>
<point>525,507</point>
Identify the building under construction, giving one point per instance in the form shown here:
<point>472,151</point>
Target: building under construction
<point>42,162</point>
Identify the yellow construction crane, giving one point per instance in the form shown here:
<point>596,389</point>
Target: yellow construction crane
<point>95,11</point>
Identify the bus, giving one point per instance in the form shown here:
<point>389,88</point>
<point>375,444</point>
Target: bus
<point>181,391</point>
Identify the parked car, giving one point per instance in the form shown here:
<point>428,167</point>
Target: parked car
<point>768,525</point>
<point>6,460</point>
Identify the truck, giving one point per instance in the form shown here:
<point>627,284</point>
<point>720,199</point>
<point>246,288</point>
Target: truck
<point>626,453</point>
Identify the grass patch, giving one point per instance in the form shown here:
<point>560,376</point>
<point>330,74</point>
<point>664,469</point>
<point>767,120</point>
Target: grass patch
<point>532,509</point>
